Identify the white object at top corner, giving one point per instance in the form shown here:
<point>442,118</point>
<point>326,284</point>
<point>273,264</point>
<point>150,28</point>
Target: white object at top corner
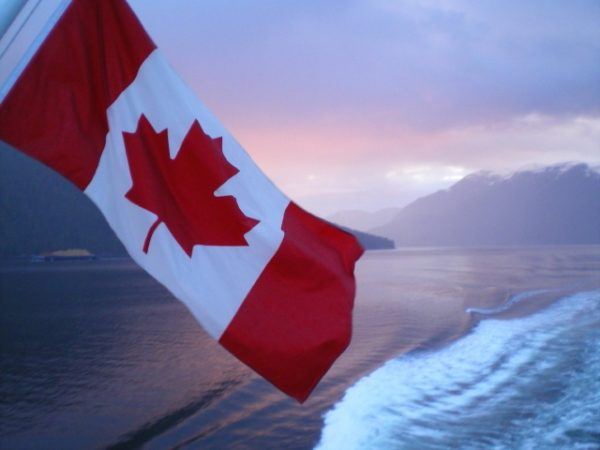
<point>24,35</point>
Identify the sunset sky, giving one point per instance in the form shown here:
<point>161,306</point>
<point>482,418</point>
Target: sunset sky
<point>368,104</point>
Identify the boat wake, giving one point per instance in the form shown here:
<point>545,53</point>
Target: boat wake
<point>507,305</point>
<point>529,382</point>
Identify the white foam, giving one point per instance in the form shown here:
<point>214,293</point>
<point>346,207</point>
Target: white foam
<point>508,304</point>
<point>399,404</point>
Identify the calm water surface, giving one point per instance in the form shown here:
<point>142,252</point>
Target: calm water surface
<point>488,348</point>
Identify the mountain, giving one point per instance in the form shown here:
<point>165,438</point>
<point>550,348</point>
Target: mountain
<point>555,205</point>
<point>371,241</point>
<point>364,220</point>
<point>40,212</point>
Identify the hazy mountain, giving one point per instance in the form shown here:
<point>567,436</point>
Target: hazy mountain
<point>364,220</point>
<point>40,211</point>
<point>554,205</point>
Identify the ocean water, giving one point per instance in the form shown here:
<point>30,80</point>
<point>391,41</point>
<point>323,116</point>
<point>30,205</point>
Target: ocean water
<point>530,383</point>
<point>452,348</point>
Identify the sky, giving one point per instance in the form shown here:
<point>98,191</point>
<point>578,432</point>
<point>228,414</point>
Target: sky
<point>370,104</point>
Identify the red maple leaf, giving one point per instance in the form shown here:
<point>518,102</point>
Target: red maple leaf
<point>180,191</point>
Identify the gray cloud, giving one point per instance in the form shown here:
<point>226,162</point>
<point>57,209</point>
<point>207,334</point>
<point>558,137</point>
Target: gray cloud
<point>425,64</point>
<point>371,103</point>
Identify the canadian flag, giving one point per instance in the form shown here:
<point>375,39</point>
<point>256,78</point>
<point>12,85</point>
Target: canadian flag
<point>93,98</point>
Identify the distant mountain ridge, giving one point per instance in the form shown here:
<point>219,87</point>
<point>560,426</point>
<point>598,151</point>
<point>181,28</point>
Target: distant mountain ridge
<point>41,212</point>
<point>364,220</point>
<point>370,241</point>
<point>558,204</point>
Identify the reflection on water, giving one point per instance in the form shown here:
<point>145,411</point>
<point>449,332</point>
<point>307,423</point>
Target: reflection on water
<point>97,354</point>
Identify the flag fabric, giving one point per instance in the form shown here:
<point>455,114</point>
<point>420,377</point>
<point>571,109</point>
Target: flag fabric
<point>98,103</point>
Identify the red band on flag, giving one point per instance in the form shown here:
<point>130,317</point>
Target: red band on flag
<point>92,54</point>
<point>297,319</point>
